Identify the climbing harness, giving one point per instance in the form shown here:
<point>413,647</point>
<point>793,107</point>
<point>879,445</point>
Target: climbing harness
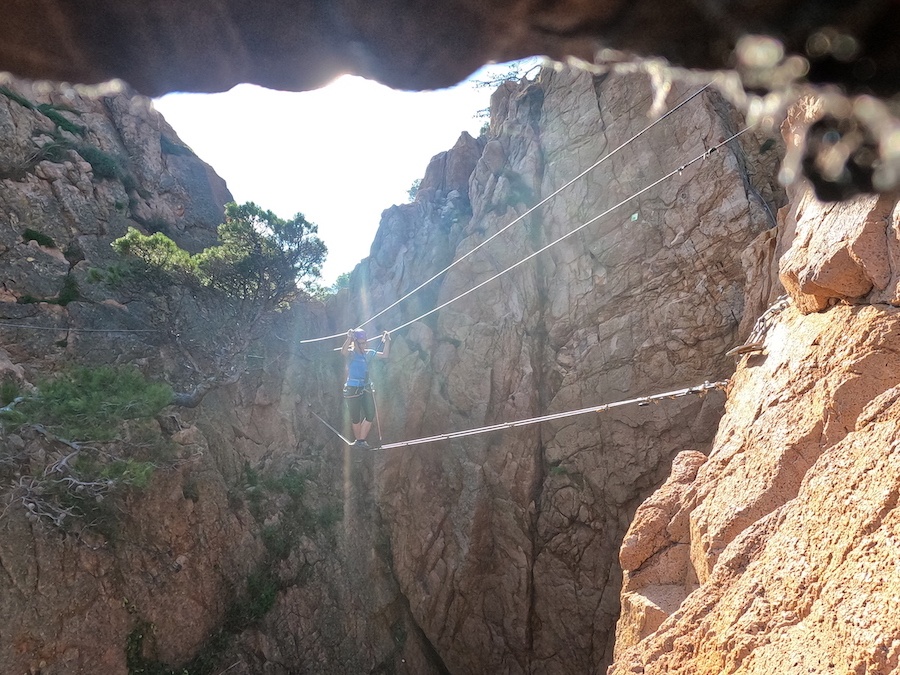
<point>358,385</point>
<point>700,390</point>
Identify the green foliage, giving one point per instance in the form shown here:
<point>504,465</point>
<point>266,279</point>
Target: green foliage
<point>342,282</point>
<point>224,291</point>
<point>519,191</point>
<point>414,189</point>
<point>9,391</point>
<point>259,598</point>
<point>277,540</point>
<point>96,511</point>
<point>159,253</point>
<point>53,114</point>
<point>53,151</point>
<point>48,110</point>
<point>245,611</point>
<point>128,472</point>
<point>69,291</point>
<point>91,403</point>
<point>104,165</point>
<point>129,182</point>
<point>329,516</point>
<point>513,71</point>
<point>251,475</point>
<point>322,293</point>
<point>137,663</point>
<point>252,603</point>
<point>18,98</point>
<point>190,490</point>
<point>39,237</point>
<point>107,167</point>
<point>114,275</point>
<point>292,483</point>
<point>260,257</point>
<point>79,488</point>
<point>295,518</point>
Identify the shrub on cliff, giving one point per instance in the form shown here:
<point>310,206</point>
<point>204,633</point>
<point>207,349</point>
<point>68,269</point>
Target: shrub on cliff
<point>85,436</point>
<point>260,257</point>
<point>212,304</point>
<point>89,404</point>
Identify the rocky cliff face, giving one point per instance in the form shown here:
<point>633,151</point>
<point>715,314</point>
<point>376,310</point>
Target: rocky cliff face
<point>76,172</point>
<point>777,553</point>
<point>248,549</point>
<point>267,546</point>
<point>506,545</point>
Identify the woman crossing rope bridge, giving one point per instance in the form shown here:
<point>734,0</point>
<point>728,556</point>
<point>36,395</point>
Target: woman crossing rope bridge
<point>360,427</point>
<point>358,390</point>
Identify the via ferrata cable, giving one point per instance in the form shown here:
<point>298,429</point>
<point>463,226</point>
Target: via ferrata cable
<point>700,390</point>
<point>600,161</point>
<point>681,168</point>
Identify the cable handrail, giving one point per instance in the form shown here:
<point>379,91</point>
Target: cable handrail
<point>700,390</point>
<point>518,218</point>
<point>79,330</point>
<point>680,169</point>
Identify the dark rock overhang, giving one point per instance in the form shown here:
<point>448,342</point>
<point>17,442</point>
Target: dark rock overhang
<point>159,46</point>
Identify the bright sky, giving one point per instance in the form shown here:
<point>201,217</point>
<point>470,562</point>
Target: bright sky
<point>339,155</point>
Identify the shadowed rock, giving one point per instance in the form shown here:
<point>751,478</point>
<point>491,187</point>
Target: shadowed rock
<point>211,45</point>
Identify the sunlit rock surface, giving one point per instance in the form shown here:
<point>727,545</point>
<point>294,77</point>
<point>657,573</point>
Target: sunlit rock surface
<point>779,549</point>
<point>496,553</point>
<point>506,544</point>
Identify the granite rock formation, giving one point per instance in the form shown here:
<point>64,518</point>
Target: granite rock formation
<point>504,544</point>
<point>76,172</point>
<point>777,553</point>
<point>230,532</point>
<point>493,554</point>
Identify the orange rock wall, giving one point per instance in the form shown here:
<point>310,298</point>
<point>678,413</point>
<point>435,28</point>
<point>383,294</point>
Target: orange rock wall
<point>778,552</point>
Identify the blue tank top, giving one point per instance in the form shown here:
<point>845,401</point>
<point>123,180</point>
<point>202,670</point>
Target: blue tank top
<point>358,369</point>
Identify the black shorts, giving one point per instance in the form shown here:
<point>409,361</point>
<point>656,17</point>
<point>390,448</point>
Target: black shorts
<point>361,403</point>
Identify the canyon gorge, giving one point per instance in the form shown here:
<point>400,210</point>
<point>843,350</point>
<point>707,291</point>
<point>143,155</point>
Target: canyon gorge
<point>743,530</point>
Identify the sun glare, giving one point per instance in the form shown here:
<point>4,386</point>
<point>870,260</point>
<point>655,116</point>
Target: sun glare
<point>340,155</point>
